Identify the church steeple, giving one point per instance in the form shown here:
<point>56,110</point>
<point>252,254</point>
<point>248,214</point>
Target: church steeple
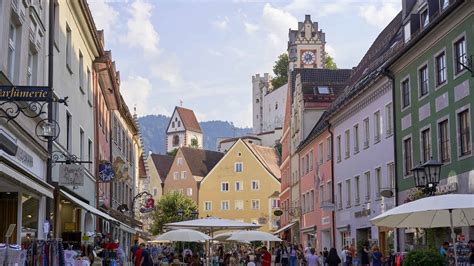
<point>306,45</point>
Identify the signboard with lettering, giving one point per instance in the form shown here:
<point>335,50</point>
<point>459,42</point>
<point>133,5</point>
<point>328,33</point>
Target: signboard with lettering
<point>25,93</point>
<point>362,213</point>
<point>106,173</point>
<point>71,175</point>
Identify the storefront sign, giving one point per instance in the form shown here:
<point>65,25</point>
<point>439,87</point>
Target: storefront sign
<point>447,188</point>
<point>106,173</point>
<point>362,213</point>
<point>149,205</point>
<point>71,175</point>
<point>24,157</point>
<point>325,220</point>
<point>25,93</point>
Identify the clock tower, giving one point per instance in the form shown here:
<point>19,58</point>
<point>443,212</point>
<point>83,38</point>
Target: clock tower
<point>306,45</point>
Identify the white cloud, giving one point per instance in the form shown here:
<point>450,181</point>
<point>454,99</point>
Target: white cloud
<point>136,92</point>
<point>250,28</point>
<point>379,15</point>
<point>221,24</point>
<point>330,50</point>
<point>214,52</point>
<point>105,16</point>
<point>168,70</point>
<point>140,31</point>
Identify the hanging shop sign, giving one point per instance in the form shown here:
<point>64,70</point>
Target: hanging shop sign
<point>25,93</point>
<point>106,173</point>
<point>148,206</point>
<point>362,213</point>
<point>71,175</point>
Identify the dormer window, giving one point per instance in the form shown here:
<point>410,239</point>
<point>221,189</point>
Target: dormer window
<point>179,123</point>
<point>424,18</point>
<point>323,90</point>
<point>172,124</point>
<point>407,32</point>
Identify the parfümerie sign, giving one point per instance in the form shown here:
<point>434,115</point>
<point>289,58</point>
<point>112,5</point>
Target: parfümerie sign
<point>25,93</point>
<point>71,175</point>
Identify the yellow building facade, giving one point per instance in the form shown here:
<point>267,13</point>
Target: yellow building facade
<point>243,186</point>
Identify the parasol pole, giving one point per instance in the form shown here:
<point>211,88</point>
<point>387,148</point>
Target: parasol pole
<point>453,235</point>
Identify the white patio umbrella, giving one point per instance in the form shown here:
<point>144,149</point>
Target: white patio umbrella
<point>253,236</point>
<point>224,237</point>
<point>211,225</point>
<point>451,210</point>
<point>184,235</point>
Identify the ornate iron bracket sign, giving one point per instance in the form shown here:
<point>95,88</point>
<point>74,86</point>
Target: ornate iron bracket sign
<point>62,158</point>
<point>149,205</point>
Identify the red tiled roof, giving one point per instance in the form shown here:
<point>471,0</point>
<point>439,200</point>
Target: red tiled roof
<point>201,162</point>
<point>268,157</point>
<point>163,164</point>
<point>189,119</point>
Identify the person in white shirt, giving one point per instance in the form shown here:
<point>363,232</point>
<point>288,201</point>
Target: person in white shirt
<point>312,259</point>
<point>344,254</point>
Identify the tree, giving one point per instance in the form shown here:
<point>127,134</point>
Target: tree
<point>172,153</point>
<point>194,143</point>
<point>329,63</point>
<point>280,69</point>
<point>166,210</point>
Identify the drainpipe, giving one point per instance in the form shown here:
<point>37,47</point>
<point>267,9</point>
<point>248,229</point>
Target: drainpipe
<point>333,216</point>
<point>391,76</point>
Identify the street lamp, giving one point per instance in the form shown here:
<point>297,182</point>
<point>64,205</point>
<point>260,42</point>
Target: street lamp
<point>427,176</point>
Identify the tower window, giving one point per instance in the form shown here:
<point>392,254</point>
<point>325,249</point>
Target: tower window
<point>175,140</point>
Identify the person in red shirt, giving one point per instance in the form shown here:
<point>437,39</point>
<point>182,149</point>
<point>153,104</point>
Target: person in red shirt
<point>138,254</point>
<point>266,257</point>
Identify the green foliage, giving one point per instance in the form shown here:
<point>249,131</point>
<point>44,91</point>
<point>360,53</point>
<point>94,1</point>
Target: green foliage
<point>422,257</point>
<point>172,153</point>
<point>280,69</point>
<point>361,243</point>
<point>166,210</point>
<point>329,63</point>
<point>194,143</point>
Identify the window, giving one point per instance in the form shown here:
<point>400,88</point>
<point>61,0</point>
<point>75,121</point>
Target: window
<point>81,144</point>
<point>56,24</point>
<point>357,190</point>
<point>12,51</point>
<point>311,160</point>
<point>89,88</point>
<point>303,203</point>
<point>321,193</point>
<point>366,133</point>
<point>180,161</point>
<point>175,175</point>
<point>255,204</point>
<point>378,180</point>
<point>348,193</point>
<point>329,191</point>
<point>460,52</point>
<point>323,90</point>
<point>424,18</point>
<point>426,145</point>
<point>255,185</point>
<point>389,119</point>
<point>407,32</point>
<point>311,200</point>
<point>367,186</point>
<point>175,140</point>
<point>68,132</point>
<point>444,4</point>
<point>356,138</point>
<point>31,70</point>
<point>441,68</point>
<point>183,174</point>
<point>320,153</point>
<point>225,186</point>
<point>423,81</point>
<point>339,196</point>
<point>377,126</point>
<point>391,175</point>
<point>172,124</point>
<point>68,47</point>
<point>81,72</point>
<point>275,203</point>
<point>238,186</point>
<point>464,133</point>
<point>328,149</point>
<point>348,143</point>
<point>208,206</point>
<point>339,148</point>
<point>179,123</point>
<point>407,159</point>
<point>225,205</point>
<point>189,191</point>
<point>239,204</point>
<point>89,152</point>
<point>239,167</point>
<point>443,133</point>
<point>405,93</point>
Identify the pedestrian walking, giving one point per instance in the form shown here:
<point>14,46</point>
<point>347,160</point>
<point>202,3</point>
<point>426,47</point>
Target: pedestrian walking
<point>293,255</point>
<point>333,259</point>
<point>312,259</point>
<point>376,257</point>
<point>364,256</point>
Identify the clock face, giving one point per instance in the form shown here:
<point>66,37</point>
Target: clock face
<point>308,58</point>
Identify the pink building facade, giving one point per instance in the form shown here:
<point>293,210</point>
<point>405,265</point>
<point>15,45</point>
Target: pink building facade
<point>316,226</point>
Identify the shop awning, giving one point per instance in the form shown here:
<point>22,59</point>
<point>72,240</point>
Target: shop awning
<point>127,228</point>
<point>45,189</point>
<point>87,207</point>
<point>284,228</point>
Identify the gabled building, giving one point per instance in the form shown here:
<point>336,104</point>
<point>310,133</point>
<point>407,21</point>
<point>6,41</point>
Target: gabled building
<point>183,130</point>
<point>433,100</point>
<point>189,167</point>
<point>244,185</point>
<point>159,167</point>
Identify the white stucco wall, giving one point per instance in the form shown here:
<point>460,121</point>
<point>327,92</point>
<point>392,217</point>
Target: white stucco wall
<point>274,108</point>
<point>376,155</point>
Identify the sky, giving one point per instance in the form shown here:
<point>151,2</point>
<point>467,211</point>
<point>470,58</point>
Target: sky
<point>203,53</point>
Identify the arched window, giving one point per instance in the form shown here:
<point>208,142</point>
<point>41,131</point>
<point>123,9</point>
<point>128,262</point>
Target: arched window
<point>175,140</point>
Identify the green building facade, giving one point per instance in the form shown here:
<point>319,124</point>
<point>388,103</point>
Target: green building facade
<point>434,97</point>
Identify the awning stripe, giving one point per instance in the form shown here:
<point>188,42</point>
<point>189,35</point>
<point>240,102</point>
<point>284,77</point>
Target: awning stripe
<point>284,228</point>
<point>87,207</point>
